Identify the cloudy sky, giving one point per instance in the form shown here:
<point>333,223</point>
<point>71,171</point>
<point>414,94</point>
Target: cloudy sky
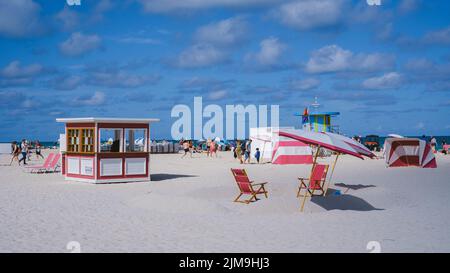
<point>385,68</point>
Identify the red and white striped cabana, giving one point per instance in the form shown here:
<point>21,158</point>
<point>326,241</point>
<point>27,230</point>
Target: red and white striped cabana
<point>405,152</point>
<point>289,151</point>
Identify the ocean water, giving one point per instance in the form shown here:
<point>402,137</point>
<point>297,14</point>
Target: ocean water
<point>48,144</point>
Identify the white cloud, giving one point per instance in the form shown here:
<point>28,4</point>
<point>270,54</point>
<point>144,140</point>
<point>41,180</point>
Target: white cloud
<point>20,18</point>
<point>311,14</point>
<point>66,82</point>
<point>16,70</point>
<point>99,10</point>
<point>67,18</point>
<point>390,80</point>
<point>139,40</point>
<point>271,49</point>
<point>79,44</point>
<point>329,59</point>
<point>418,65</point>
<point>406,6</point>
<point>168,6</point>
<point>98,98</point>
<point>336,59</point>
<point>305,84</point>
<point>217,95</point>
<point>200,55</point>
<point>227,32</point>
<point>120,79</point>
<point>441,37</point>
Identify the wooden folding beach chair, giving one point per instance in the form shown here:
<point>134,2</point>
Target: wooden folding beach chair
<point>314,183</point>
<point>247,187</point>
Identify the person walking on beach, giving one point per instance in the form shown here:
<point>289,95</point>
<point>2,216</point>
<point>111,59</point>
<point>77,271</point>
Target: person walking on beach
<point>212,148</point>
<point>208,147</point>
<point>433,143</point>
<point>444,143</point>
<point>257,155</point>
<point>15,153</point>
<point>243,150</point>
<point>38,149</point>
<point>24,150</point>
<point>248,151</point>
<point>238,151</point>
<point>186,149</point>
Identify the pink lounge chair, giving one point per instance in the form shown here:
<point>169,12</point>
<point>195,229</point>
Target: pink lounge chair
<point>54,164</point>
<point>46,164</point>
<point>50,167</point>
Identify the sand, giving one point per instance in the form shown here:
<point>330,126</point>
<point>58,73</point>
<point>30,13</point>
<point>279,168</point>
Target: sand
<point>188,208</point>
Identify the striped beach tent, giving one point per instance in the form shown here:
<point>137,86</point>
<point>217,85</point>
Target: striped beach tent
<point>405,152</point>
<point>289,151</point>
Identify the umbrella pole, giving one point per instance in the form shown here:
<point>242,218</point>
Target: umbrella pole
<point>317,154</point>
<point>331,175</point>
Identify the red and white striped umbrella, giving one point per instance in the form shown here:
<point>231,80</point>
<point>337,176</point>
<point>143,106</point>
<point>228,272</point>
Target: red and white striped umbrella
<point>360,148</point>
<point>324,140</point>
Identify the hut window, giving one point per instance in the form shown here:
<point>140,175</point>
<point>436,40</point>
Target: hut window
<point>73,140</point>
<point>135,140</point>
<point>110,140</point>
<point>87,140</point>
<point>80,140</point>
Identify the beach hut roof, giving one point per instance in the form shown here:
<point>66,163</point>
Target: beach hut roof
<point>107,120</point>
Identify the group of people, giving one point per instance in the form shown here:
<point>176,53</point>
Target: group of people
<point>243,150</point>
<point>24,149</point>
<point>434,144</point>
<point>210,147</point>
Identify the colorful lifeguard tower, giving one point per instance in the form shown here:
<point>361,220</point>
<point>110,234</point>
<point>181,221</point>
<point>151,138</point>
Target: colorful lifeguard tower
<point>313,120</point>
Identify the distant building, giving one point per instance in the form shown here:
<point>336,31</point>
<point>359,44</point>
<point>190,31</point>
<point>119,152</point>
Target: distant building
<point>313,120</point>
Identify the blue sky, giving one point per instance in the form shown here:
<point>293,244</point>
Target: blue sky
<point>385,68</point>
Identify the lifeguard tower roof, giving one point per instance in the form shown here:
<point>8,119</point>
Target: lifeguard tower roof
<point>319,114</point>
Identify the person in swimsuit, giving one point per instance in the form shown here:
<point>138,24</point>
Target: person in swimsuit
<point>15,153</point>
<point>212,148</point>
<point>186,148</point>
<point>38,150</point>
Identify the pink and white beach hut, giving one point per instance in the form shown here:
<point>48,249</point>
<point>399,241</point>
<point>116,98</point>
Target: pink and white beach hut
<point>106,150</point>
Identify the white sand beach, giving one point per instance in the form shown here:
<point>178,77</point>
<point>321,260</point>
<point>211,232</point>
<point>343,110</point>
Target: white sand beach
<point>187,207</point>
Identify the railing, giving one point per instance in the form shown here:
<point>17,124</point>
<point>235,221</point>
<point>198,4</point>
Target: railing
<point>334,129</point>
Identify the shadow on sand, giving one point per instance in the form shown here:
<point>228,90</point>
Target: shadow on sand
<point>168,176</point>
<point>354,187</point>
<point>342,202</point>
